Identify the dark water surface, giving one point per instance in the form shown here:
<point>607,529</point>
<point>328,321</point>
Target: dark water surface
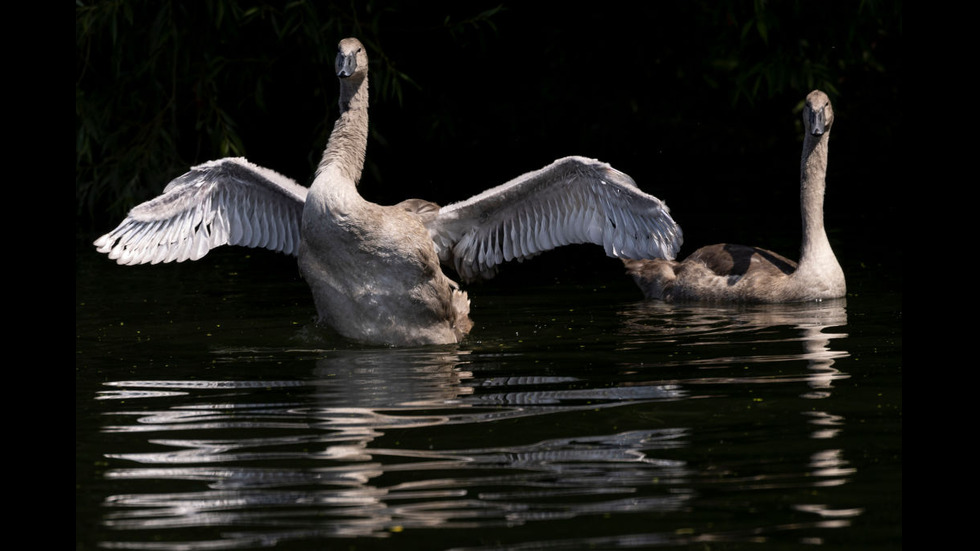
<point>210,414</point>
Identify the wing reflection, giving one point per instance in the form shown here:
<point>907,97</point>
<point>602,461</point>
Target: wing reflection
<point>341,454</point>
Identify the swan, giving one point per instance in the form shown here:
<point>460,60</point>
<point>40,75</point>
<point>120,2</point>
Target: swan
<point>739,273</point>
<point>375,271</point>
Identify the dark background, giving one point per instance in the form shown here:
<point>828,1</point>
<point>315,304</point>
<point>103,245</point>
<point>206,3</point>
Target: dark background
<point>699,101</point>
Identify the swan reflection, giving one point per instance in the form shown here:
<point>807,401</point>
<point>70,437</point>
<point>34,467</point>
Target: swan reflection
<point>340,454</point>
<point>807,335</point>
<point>771,332</point>
<point>374,442</point>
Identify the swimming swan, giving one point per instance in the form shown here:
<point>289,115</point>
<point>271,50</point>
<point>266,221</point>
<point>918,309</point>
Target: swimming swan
<point>374,270</point>
<point>726,272</point>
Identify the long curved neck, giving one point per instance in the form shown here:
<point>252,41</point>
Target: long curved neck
<point>813,175</point>
<point>343,159</point>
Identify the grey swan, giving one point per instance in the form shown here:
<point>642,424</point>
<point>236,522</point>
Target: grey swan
<point>375,271</point>
<point>739,273</point>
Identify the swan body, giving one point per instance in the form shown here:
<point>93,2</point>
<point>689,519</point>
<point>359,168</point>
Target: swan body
<point>739,273</point>
<point>375,271</point>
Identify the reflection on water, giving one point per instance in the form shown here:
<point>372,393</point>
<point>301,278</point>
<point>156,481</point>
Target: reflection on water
<point>761,325</point>
<point>318,461</point>
<point>384,443</point>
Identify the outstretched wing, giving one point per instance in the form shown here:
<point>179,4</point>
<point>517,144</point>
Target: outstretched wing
<point>224,202</point>
<point>572,200</point>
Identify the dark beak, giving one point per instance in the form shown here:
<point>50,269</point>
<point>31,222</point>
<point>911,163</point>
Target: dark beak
<point>818,123</point>
<point>346,65</point>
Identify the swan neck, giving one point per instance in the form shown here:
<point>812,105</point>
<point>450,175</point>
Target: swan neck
<point>344,155</point>
<point>813,178</point>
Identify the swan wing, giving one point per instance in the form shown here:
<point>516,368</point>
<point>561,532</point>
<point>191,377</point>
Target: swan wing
<point>572,200</point>
<point>224,202</point>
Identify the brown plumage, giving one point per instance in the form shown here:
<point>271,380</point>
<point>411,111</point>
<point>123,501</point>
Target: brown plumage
<point>726,272</point>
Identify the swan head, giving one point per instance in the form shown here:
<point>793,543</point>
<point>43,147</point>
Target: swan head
<point>818,114</point>
<point>351,59</point>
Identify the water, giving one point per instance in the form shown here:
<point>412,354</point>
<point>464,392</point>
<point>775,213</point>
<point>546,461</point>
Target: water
<point>210,414</point>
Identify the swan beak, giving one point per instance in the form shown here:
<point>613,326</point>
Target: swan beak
<point>818,122</point>
<point>346,65</point>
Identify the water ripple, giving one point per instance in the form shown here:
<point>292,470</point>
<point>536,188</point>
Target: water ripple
<point>375,443</point>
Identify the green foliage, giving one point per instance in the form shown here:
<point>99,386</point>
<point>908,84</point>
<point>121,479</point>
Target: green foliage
<point>769,47</point>
<point>161,85</point>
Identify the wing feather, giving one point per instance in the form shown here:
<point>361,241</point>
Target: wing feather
<point>572,200</point>
<point>224,202</point>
